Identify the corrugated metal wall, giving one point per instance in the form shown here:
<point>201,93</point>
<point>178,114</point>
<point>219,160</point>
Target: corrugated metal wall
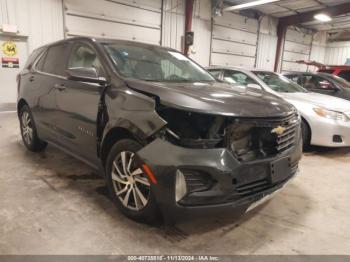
<point>297,46</point>
<point>138,20</point>
<point>174,24</point>
<point>40,21</point>
<point>234,40</point>
<point>337,53</point>
<point>267,43</point>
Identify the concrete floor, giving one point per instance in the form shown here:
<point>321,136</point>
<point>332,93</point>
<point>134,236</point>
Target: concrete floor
<point>53,204</point>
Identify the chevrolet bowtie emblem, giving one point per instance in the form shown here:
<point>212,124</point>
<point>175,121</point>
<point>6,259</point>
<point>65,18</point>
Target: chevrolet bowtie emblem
<point>278,130</point>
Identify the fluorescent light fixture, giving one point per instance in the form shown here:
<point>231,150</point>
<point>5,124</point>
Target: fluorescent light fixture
<point>323,17</point>
<point>250,4</point>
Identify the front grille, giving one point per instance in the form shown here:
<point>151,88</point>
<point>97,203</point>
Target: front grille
<point>287,139</point>
<point>252,187</point>
<point>251,139</point>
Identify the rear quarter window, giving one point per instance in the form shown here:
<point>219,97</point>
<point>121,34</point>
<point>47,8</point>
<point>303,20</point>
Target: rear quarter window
<point>33,57</point>
<point>345,75</point>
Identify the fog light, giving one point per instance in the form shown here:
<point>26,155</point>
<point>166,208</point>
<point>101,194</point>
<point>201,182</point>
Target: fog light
<point>180,186</point>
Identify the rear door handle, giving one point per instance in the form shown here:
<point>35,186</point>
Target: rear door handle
<point>60,87</point>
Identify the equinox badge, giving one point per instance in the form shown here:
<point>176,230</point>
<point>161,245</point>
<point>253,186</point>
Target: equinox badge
<point>278,130</point>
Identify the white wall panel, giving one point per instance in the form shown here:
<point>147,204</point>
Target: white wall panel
<point>220,46</point>
<point>40,21</point>
<point>337,53</point>
<point>174,25</point>
<point>129,20</point>
<point>234,40</point>
<point>297,46</point>
<point>266,52</point>
<point>99,28</point>
<point>231,60</point>
<point>237,21</point>
<point>230,34</point>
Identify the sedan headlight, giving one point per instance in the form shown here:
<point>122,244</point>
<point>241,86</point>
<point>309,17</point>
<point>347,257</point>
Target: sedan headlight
<point>330,114</point>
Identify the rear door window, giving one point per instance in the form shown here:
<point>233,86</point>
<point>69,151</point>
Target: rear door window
<point>56,60</point>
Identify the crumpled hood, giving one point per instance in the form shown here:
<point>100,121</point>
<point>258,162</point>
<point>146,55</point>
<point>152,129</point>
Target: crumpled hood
<point>215,98</point>
<point>325,101</point>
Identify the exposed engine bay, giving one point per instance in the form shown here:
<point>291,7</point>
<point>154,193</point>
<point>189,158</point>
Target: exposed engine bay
<point>248,139</point>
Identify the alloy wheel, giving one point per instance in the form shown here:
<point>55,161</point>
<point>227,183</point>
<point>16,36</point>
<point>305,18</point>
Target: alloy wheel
<point>130,182</point>
<point>27,127</point>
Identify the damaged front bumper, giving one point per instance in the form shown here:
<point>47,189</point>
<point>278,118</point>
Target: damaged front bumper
<point>216,181</point>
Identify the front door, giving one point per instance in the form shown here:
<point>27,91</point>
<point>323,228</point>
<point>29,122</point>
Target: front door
<point>13,55</point>
<point>77,106</point>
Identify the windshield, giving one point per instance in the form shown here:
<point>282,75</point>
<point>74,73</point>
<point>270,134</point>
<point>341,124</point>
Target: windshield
<point>339,81</point>
<point>151,63</point>
<point>279,83</point>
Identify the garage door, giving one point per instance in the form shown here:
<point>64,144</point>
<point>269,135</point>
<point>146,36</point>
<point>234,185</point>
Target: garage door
<point>138,20</point>
<point>234,41</point>
<point>297,46</point>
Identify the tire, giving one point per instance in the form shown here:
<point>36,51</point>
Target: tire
<point>129,186</point>
<point>306,134</point>
<point>29,132</point>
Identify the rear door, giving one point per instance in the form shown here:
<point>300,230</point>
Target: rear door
<point>49,69</point>
<point>77,105</point>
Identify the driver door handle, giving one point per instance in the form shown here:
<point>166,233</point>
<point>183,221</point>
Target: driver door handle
<point>60,87</point>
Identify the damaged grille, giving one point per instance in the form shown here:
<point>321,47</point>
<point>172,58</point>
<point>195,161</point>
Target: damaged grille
<point>251,139</point>
<point>247,138</point>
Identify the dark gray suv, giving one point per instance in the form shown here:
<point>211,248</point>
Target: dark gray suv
<point>167,137</point>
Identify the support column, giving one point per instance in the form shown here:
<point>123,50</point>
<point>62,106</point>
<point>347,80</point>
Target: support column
<point>188,22</point>
<point>281,36</point>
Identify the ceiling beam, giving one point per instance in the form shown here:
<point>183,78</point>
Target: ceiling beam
<point>309,16</point>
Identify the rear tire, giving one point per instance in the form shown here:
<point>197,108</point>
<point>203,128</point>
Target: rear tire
<point>29,132</point>
<point>129,187</point>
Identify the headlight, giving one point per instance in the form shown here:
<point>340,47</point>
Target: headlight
<point>330,114</point>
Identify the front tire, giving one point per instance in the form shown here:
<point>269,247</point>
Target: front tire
<point>129,186</point>
<point>306,134</point>
<point>29,132</point>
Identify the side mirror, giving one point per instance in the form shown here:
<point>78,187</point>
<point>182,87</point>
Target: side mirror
<point>256,86</point>
<point>85,74</point>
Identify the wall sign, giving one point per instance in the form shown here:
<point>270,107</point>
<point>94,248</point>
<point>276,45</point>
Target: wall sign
<point>9,48</point>
<point>10,62</point>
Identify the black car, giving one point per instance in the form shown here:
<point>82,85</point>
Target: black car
<point>323,83</point>
<point>167,137</point>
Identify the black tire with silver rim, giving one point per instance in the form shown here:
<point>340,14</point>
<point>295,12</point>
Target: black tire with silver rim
<point>128,184</point>
<point>28,131</point>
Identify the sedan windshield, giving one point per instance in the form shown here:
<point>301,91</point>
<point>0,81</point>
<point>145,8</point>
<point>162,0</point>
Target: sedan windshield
<point>151,63</point>
<point>279,83</point>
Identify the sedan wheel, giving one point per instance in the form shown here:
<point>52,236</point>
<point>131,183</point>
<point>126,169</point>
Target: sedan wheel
<point>130,183</point>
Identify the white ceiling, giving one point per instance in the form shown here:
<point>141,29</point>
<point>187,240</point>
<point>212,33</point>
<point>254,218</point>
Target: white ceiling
<point>285,8</point>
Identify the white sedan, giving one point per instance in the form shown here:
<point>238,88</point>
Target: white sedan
<point>325,119</point>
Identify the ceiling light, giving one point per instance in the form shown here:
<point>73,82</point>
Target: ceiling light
<point>323,17</point>
<point>250,4</point>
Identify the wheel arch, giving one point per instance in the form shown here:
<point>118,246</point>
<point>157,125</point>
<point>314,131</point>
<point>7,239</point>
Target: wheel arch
<point>22,102</point>
<point>309,128</point>
<point>111,137</point>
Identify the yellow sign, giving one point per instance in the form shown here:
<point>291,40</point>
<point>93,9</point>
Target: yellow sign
<point>9,48</point>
